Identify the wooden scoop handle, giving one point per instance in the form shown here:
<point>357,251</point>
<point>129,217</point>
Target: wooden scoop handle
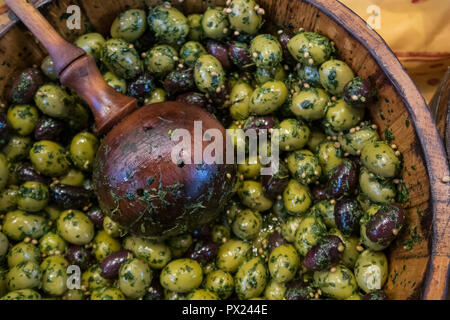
<point>76,70</point>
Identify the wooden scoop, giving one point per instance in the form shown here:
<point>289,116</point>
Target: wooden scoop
<point>136,181</point>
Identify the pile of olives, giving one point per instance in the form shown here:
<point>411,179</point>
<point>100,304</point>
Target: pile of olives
<point>316,229</point>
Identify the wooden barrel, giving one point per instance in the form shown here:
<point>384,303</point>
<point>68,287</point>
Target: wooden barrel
<point>419,259</point>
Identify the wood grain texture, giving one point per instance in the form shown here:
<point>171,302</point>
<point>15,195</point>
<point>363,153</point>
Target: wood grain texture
<point>418,273</point>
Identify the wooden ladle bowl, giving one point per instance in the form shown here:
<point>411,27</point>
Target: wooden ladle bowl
<point>136,180</point>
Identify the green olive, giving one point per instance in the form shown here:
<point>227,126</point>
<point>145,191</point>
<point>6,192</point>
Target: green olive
<point>309,73</point>
<point>379,191</point>
<point>380,159</point>
<point>371,270</point>
<point>266,51</point>
<point>195,27</point>
<point>243,16</point>
<point>209,75</point>
<point>340,116</point>
<point>21,252</point>
<point>354,141</point>
<point>251,279</point>
<point>268,98</point>
<point>52,243</point>
<point>24,294</point>
<point>107,294</point>
<point>48,68</point>
<point>202,294</point>
<point>4,245</point>
<point>157,95</point>
<point>294,134</point>
<point>54,101</point>
<point>180,244</point>
<point>275,290</point>
<point>135,276</point>
<point>310,104</point>
<point>308,233</point>
<point>155,253</point>
<point>92,278</point>
<point>3,283</point>
<point>220,234</point>
<point>310,48</point>
<point>121,58</point>
<point>129,25</point>
<point>263,75</point>
<point>215,24</point>
<point>73,178</point>
<point>289,228</point>
<point>297,198</point>
<point>325,210</point>
<point>8,199</point>
<point>78,118</point>
<point>339,284</point>
<point>304,166</point>
<point>49,158</point>
<point>23,118</point>
<point>168,24</point>
<point>161,59</point>
<point>240,100</point>
<point>105,245</point>
<point>220,282</point>
<point>283,263</point>
<point>75,227</point>
<point>232,254</point>
<point>120,85</point>
<point>191,51</point>
<point>54,279</point>
<point>32,196</point>
<point>330,156</point>
<point>252,195</point>
<point>17,148</point>
<point>111,227</point>
<point>83,149</point>
<point>247,224</point>
<point>4,171</point>
<point>251,169</point>
<point>73,294</point>
<point>334,75</point>
<point>19,225</point>
<point>91,43</point>
<point>52,212</point>
<point>25,275</point>
<point>181,275</point>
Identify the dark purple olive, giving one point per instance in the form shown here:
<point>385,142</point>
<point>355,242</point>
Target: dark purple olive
<point>25,172</point>
<point>4,128</point>
<point>359,92</point>
<point>274,185</point>
<point>276,240</point>
<point>141,86</point>
<point>23,86</point>
<point>279,211</point>
<point>357,163</point>
<point>298,290</point>
<point>260,123</point>
<point>239,54</point>
<point>283,39</point>
<point>193,98</point>
<point>69,197</point>
<point>319,192</point>
<point>203,251</point>
<point>385,225</point>
<point>219,51</point>
<point>155,291</point>
<point>222,97</point>
<point>111,264</point>
<point>80,256</point>
<point>97,216</point>
<point>49,129</point>
<point>376,295</point>
<point>325,254</point>
<point>204,231</point>
<point>342,180</point>
<point>179,81</point>
<point>347,213</point>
